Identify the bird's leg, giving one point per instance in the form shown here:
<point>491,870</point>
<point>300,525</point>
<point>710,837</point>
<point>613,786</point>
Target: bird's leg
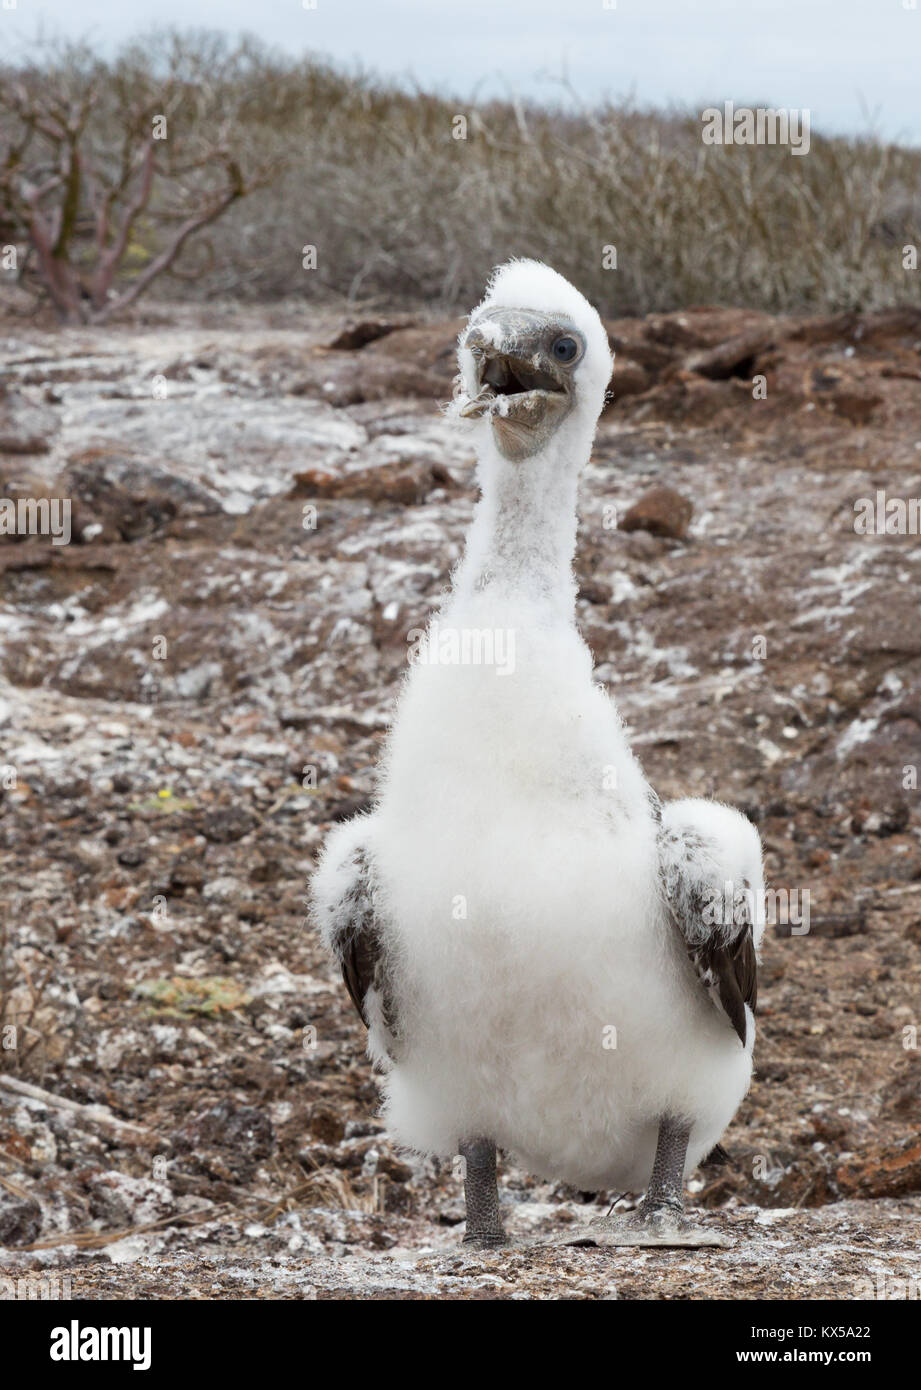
<point>481,1193</point>
<point>660,1218</point>
<point>664,1199</point>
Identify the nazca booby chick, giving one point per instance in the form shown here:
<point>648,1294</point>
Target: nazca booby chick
<point>546,958</point>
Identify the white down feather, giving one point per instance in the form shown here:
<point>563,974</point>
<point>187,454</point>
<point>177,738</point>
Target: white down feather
<point>545,1001</point>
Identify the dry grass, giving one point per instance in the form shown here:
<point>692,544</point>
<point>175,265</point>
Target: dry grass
<point>691,224</point>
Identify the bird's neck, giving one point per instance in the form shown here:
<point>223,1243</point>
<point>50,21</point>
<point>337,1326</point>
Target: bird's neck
<point>521,543</point>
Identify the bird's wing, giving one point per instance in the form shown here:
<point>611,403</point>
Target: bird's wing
<point>712,884</point>
<point>731,974</point>
<point>343,899</point>
<point>358,946</point>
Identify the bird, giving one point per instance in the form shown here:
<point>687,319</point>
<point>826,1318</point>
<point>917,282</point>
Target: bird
<point>551,962</point>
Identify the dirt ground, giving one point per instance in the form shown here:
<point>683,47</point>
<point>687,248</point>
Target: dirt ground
<point>192,689</point>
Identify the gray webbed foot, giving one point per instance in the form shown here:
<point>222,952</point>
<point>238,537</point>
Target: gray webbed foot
<point>659,1220</point>
<point>650,1225</point>
<point>495,1240</point>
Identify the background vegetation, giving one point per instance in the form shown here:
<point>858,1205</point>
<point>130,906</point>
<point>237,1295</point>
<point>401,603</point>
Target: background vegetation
<point>267,155</point>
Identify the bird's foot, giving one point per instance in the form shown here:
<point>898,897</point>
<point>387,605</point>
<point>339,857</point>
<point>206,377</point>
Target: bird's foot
<point>650,1225</point>
<point>489,1240</point>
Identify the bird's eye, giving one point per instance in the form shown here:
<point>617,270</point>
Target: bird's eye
<point>565,349</point>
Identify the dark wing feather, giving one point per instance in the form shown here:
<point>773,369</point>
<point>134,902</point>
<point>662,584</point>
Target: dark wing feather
<point>357,944</point>
<point>359,961</point>
<point>728,968</point>
<point>732,971</point>
<point>718,932</point>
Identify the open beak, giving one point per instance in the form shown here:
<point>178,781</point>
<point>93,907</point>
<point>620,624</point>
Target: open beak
<point>514,376</point>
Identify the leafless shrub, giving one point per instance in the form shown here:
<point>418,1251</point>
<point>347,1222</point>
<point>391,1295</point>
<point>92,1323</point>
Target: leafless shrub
<point>400,210</point>
<point>108,170</point>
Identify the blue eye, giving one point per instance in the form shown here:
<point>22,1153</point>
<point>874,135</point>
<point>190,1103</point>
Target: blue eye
<point>565,349</point>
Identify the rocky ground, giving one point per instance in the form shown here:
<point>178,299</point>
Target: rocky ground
<point>264,505</point>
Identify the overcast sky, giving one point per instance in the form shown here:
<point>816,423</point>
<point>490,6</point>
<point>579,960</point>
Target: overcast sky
<point>850,62</point>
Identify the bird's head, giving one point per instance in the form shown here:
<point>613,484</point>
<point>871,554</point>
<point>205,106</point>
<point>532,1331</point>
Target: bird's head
<point>533,357</point>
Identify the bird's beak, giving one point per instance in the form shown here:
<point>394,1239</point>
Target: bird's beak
<point>509,350</point>
<point>518,385</point>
